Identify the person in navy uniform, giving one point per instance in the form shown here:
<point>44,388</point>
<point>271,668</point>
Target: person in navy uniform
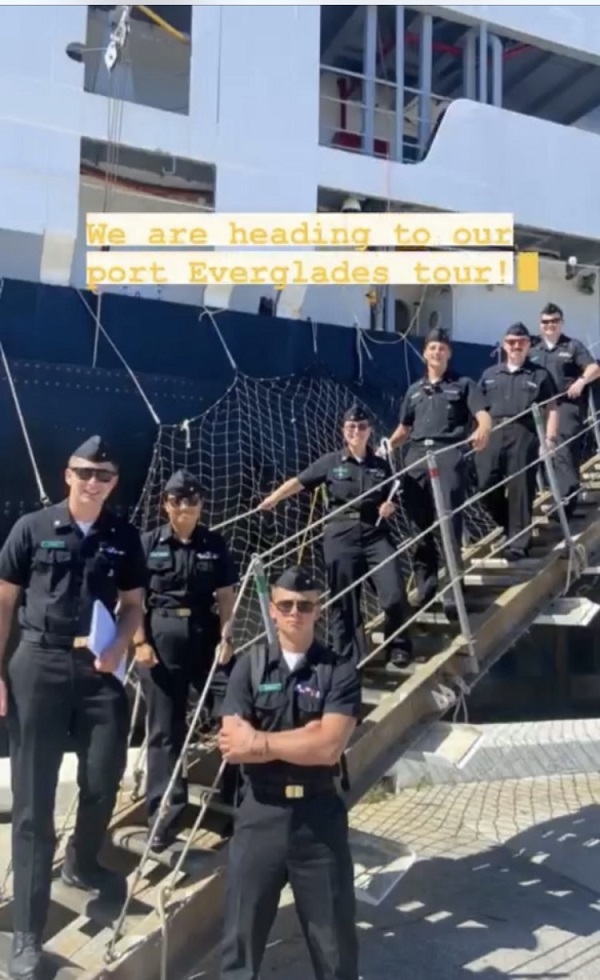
<point>357,541</point>
<point>509,390</point>
<point>56,563</point>
<point>572,368</point>
<point>441,411</point>
<point>189,567</point>
<point>288,715</point>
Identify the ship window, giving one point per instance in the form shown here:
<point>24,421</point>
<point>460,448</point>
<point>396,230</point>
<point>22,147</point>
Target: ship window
<point>402,316</point>
<point>153,68</point>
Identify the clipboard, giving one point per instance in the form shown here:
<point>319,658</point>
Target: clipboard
<point>103,631</point>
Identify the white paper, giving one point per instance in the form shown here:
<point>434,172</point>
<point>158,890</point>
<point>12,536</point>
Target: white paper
<point>103,631</point>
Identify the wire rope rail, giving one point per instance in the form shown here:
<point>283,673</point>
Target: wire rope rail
<point>171,913</point>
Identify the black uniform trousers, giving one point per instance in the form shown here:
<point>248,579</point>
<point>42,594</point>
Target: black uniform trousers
<point>352,548</point>
<point>185,650</point>
<point>303,842</point>
<point>567,458</point>
<point>510,449</point>
<point>56,694</point>
<point>419,504</point>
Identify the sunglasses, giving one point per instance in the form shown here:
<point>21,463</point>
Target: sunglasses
<point>550,321</point>
<point>87,473</point>
<point>516,343</point>
<point>286,606</point>
<point>192,500</point>
<point>356,426</point>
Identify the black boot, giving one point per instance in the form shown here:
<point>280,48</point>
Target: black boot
<point>450,608</point>
<point>25,957</point>
<point>400,656</point>
<point>91,877</point>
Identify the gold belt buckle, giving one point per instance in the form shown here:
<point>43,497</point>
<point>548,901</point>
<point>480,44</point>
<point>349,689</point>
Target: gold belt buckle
<point>80,642</point>
<point>294,792</point>
<point>184,613</point>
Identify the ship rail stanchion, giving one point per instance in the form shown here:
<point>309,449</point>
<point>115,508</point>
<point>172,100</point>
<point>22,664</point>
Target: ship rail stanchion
<point>262,589</point>
<point>594,416</point>
<point>389,453</point>
<point>551,476</point>
<point>452,565</point>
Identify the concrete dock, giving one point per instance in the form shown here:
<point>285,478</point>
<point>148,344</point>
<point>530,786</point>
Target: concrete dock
<point>502,881</point>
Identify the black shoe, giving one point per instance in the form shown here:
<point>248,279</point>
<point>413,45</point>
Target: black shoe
<point>162,840</point>
<point>25,957</point>
<point>94,879</point>
<point>425,594</point>
<point>450,609</point>
<point>515,554</point>
<point>399,663</point>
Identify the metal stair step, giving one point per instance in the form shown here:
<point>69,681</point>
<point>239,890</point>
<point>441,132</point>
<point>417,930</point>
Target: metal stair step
<point>525,564</point>
<point>498,579</point>
<point>103,909</point>
<point>197,795</point>
<point>133,839</point>
<point>374,695</point>
<point>57,968</point>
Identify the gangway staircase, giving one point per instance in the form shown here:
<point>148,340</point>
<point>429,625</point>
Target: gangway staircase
<point>504,602</point>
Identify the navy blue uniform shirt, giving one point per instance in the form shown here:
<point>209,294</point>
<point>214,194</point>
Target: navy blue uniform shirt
<point>290,699</point>
<point>443,410</point>
<point>62,572</point>
<point>510,393</point>
<point>566,361</point>
<point>186,575</point>
<point>344,478</point>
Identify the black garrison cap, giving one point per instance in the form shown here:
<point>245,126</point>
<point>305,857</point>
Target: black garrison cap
<point>296,579</point>
<point>356,413</point>
<point>183,484</point>
<point>518,330</point>
<point>437,336</point>
<point>95,450</point>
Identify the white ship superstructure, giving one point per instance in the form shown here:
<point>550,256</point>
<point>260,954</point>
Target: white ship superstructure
<point>300,108</point>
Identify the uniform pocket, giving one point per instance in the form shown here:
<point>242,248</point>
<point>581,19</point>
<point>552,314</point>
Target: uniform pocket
<point>52,566</point>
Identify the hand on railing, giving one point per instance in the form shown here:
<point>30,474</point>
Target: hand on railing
<point>480,438</point>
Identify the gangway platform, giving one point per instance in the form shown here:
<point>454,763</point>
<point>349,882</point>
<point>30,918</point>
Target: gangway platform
<point>503,602</point>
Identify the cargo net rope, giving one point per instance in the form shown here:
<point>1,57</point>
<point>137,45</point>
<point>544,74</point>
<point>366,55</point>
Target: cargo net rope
<point>257,435</point>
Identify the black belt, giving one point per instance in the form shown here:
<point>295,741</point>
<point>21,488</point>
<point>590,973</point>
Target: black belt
<point>181,612</point>
<point>435,441</point>
<point>286,792</point>
<point>524,422</point>
<point>55,640</point>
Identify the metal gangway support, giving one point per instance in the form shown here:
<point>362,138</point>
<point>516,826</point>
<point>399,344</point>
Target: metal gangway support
<point>171,915</point>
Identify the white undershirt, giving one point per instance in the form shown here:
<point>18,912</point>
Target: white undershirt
<point>292,659</point>
<point>513,368</point>
<point>549,344</point>
<point>84,526</point>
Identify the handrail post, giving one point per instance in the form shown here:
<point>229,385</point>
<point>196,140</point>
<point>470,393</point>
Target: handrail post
<point>451,561</point>
<point>550,473</point>
<point>594,415</point>
<point>262,589</point>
